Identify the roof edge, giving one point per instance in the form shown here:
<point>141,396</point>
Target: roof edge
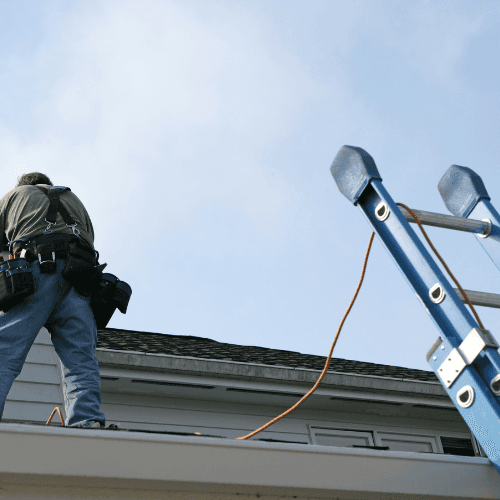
<point>167,462</point>
<point>223,369</point>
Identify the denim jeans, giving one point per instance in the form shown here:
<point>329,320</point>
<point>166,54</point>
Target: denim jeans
<point>69,319</point>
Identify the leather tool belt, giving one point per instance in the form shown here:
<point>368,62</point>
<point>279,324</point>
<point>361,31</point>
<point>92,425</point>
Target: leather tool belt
<point>45,247</point>
<point>81,268</point>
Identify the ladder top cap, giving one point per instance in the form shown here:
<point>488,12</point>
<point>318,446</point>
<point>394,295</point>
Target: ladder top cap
<point>353,169</point>
<point>461,189</point>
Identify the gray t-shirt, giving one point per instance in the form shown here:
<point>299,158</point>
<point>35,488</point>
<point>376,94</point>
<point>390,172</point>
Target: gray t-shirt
<point>23,211</point>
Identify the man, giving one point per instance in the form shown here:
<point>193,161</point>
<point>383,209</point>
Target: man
<point>55,304</point>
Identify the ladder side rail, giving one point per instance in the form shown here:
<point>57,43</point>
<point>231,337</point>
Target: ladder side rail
<point>450,315</point>
<point>358,179</point>
<point>465,195</point>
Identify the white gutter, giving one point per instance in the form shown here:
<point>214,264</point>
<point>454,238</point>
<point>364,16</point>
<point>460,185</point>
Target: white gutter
<point>77,461</point>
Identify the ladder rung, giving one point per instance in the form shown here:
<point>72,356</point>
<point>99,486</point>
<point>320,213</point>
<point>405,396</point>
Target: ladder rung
<point>448,221</point>
<point>480,298</point>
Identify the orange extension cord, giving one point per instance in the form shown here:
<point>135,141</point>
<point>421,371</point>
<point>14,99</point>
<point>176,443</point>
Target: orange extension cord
<point>327,364</point>
<point>329,358</point>
<point>52,415</point>
<point>442,262</point>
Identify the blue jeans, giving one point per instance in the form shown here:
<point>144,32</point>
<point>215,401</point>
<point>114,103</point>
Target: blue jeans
<point>69,319</point>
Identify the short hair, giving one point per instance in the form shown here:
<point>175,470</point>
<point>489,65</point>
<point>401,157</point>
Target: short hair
<point>33,179</point>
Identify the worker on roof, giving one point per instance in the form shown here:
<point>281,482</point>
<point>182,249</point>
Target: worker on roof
<point>41,224</point>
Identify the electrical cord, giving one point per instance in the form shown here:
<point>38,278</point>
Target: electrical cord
<point>53,413</point>
<point>417,220</point>
<point>328,359</point>
<point>327,364</point>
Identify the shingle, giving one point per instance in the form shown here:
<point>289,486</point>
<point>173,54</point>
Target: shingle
<point>199,347</point>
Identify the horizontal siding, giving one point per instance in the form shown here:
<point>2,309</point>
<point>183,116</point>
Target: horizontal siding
<point>229,427</point>
<point>43,338</point>
<point>233,420</point>
<point>22,391</point>
<point>302,413</point>
<point>222,419</point>
<point>37,389</point>
<point>39,374</point>
<point>41,354</point>
<point>27,411</point>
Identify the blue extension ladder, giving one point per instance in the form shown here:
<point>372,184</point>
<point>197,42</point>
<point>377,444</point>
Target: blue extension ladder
<point>464,357</point>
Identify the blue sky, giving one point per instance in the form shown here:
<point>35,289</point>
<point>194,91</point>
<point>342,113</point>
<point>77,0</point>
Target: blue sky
<point>199,135</point>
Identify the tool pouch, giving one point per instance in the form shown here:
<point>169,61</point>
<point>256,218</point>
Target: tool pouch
<point>46,248</point>
<point>48,266</point>
<point>16,282</point>
<point>81,270</point>
<point>110,294</point>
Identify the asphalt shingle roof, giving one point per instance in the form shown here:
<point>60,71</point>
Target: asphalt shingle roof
<point>199,347</point>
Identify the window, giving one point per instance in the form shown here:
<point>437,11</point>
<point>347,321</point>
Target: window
<point>341,437</point>
<point>408,442</point>
<point>457,446</point>
<point>402,440</point>
<point>398,439</point>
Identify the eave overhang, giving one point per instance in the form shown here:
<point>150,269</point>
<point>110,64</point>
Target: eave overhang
<point>89,462</point>
<point>110,361</point>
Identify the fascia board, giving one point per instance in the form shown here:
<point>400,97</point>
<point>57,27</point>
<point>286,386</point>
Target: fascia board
<point>223,369</point>
<point>161,461</point>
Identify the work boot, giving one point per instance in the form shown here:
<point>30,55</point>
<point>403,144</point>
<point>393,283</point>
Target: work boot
<point>92,425</point>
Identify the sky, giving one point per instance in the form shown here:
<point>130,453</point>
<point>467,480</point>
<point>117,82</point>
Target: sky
<point>200,134</point>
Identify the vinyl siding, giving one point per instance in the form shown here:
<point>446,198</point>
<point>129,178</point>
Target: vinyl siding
<point>37,389</point>
<point>231,420</point>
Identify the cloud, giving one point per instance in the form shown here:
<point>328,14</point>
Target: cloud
<point>174,105</point>
<point>430,36</point>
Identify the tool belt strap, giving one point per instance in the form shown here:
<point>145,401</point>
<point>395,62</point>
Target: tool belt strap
<point>55,205</point>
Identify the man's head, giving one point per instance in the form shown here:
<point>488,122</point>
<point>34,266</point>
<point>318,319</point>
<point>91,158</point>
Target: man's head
<point>33,179</point>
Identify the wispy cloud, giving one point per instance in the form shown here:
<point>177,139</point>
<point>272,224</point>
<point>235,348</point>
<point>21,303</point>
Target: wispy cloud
<point>157,98</point>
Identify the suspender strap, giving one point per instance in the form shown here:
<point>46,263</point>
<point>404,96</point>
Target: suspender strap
<point>55,205</point>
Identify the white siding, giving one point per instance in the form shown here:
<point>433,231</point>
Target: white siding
<point>206,406</point>
<point>231,420</point>
<point>222,419</point>
<point>37,389</point>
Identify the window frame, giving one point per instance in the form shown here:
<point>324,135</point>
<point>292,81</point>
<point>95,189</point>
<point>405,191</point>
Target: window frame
<point>424,435</point>
<point>478,449</point>
<point>431,439</point>
<point>341,432</point>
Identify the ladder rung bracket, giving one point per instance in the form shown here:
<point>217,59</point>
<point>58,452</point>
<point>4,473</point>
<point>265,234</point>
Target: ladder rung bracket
<point>456,361</point>
<point>473,398</point>
<point>448,221</point>
<point>480,298</point>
